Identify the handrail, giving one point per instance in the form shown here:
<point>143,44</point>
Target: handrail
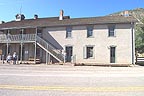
<point>50,48</point>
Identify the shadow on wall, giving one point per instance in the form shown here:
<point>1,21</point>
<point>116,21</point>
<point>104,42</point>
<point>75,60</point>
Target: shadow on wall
<point>52,41</point>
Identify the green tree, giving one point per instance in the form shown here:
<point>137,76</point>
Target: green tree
<point>139,37</point>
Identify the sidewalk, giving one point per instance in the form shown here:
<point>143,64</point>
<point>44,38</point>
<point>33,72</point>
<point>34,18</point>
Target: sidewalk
<point>68,64</point>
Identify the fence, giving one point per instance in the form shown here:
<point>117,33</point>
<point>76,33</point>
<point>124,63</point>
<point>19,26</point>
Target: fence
<point>140,60</point>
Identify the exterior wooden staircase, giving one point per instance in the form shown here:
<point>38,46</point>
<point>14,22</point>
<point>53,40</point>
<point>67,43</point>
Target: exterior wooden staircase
<point>33,38</point>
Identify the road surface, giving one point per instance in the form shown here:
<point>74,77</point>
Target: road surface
<point>59,80</point>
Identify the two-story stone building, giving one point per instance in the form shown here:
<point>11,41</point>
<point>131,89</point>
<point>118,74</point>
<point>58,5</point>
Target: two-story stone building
<point>93,40</point>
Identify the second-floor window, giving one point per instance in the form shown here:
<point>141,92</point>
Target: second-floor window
<point>68,32</point>
<point>89,31</point>
<point>111,30</point>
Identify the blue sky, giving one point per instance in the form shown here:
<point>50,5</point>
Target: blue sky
<point>73,8</point>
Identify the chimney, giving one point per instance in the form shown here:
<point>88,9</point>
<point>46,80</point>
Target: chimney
<point>20,17</point>
<point>61,15</point>
<point>35,16</point>
<point>126,13</point>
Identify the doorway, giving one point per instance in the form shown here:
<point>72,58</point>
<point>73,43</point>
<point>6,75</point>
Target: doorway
<point>69,51</point>
<point>112,54</point>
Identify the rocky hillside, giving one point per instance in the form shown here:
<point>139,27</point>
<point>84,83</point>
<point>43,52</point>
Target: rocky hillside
<point>138,13</point>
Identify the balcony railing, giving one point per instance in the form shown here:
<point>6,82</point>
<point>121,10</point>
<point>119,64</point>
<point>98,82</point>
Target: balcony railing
<point>3,38</point>
<point>17,38</point>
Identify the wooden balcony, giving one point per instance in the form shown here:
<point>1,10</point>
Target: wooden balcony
<point>32,38</point>
<point>17,38</point>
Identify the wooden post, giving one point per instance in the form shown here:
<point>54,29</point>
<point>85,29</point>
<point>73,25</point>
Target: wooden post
<point>7,48</point>
<point>49,58</point>
<point>21,46</point>
<point>2,59</point>
<point>8,43</point>
<point>35,46</point>
<point>46,58</point>
<point>21,53</point>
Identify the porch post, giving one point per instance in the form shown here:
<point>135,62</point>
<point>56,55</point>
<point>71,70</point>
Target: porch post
<point>35,46</point>
<point>49,58</point>
<point>21,46</point>
<point>46,58</point>
<point>7,48</point>
<point>47,55</point>
<point>21,53</point>
<point>8,42</point>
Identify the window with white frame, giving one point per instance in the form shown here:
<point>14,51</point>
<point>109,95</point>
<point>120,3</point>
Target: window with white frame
<point>88,52</point>
<point>89,31</point>
<point>68,32</point>
<point>111,30</point>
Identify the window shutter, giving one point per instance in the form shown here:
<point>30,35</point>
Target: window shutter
<point>84,52</point>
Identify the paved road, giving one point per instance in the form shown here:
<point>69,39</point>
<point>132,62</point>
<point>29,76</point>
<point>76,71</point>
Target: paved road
<point>55,80</point>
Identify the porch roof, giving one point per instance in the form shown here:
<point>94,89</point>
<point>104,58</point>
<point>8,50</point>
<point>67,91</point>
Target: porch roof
<point>67,21</point>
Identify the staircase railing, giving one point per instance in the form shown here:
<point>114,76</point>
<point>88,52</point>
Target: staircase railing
<point>53,51</point>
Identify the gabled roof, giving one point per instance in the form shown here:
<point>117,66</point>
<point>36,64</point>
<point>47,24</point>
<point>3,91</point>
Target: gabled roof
<point>54,21</point>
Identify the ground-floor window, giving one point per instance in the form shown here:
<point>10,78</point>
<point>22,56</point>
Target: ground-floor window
<point>89,52</point>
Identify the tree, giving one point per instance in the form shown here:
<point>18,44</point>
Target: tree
<point>139,37</point>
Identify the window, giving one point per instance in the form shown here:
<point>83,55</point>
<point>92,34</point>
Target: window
<point>89,31</point>
<point>88,52</point>
<point>68,32</point>
<point>111,30</point>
